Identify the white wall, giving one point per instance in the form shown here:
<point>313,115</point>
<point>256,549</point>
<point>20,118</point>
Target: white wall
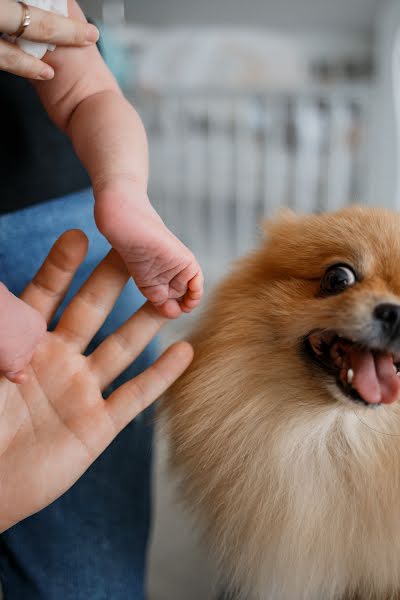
<point>384,156</point>
<point>292,14</point>
<point>340,15</point>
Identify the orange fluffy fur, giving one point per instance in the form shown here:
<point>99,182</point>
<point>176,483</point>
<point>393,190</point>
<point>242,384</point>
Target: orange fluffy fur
<point>296,487</point>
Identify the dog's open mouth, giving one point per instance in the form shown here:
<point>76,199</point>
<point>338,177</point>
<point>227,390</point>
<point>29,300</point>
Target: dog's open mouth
<point>362,373</point>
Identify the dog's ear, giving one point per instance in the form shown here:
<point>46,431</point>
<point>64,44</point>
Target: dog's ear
<point>283,216</point>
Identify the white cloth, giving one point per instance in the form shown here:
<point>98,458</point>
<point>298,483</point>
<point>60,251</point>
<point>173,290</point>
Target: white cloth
<point>35,48</point>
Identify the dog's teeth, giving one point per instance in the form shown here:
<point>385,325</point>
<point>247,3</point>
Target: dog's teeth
<point>350,375</point>
<point>395,368</point>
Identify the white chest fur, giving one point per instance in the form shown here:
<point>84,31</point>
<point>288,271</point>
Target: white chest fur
<point>330,520</point>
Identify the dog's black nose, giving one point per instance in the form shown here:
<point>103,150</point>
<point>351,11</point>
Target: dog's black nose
<point>389,315</point>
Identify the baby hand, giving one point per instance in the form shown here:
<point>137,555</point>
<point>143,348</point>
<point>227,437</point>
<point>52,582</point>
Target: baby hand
<point>21,329</point>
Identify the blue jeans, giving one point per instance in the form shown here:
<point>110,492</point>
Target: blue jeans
<point>91,543</point>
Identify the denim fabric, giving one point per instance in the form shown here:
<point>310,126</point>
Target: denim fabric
<point>91,543</point>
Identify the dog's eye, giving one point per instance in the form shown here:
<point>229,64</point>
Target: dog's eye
<point>337,279</point>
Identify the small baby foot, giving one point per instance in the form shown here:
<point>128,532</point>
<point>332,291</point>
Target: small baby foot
<point>165,271</point>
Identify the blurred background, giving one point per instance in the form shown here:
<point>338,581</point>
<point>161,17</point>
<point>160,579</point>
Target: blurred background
<point>250,106</point>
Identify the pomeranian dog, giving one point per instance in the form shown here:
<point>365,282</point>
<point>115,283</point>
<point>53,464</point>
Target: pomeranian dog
<point>285,430</point>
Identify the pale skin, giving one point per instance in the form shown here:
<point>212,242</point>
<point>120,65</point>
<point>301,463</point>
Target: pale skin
<point>21,327</point>
<point>45,27</point>
<point>55,424</point>
<point>84,100</point>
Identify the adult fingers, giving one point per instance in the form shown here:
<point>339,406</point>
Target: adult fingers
<point>46,26</point>
<point>50,284</point>
<point>134,396</point>
<point>92,304</point>
<point>23,321</point>
<point>120,349</point>
<point>16,61</point>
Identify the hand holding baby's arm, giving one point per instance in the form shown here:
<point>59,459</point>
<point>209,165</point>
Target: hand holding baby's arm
<point>44,26</point>
<point>85,101</point>
<point>56,423</point>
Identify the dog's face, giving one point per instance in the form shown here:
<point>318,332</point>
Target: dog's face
<point>290,475</point>
<point>331,284</point>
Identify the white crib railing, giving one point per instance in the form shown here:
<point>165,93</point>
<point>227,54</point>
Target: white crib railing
<point>222,160</point>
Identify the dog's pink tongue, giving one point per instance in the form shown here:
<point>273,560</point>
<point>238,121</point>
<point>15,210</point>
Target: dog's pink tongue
<point>374,376</point>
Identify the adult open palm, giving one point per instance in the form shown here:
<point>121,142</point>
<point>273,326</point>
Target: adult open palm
<point>56,423</point>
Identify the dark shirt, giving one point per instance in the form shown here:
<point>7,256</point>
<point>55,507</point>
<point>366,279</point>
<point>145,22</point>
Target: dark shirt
<point>37,161</point>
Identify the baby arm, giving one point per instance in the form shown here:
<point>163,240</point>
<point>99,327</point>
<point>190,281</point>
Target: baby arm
<point>85,101</point>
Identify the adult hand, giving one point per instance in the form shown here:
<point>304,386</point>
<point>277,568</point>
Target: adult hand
<point>56,423</point>
<point>46,27</point>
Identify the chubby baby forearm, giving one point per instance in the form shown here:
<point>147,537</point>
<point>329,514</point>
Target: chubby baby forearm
<point>110,140</point>
<point>85,101</point>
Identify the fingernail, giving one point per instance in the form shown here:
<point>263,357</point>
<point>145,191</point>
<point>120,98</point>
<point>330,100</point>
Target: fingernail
<point>46,73</point>
<point>92,34</point>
